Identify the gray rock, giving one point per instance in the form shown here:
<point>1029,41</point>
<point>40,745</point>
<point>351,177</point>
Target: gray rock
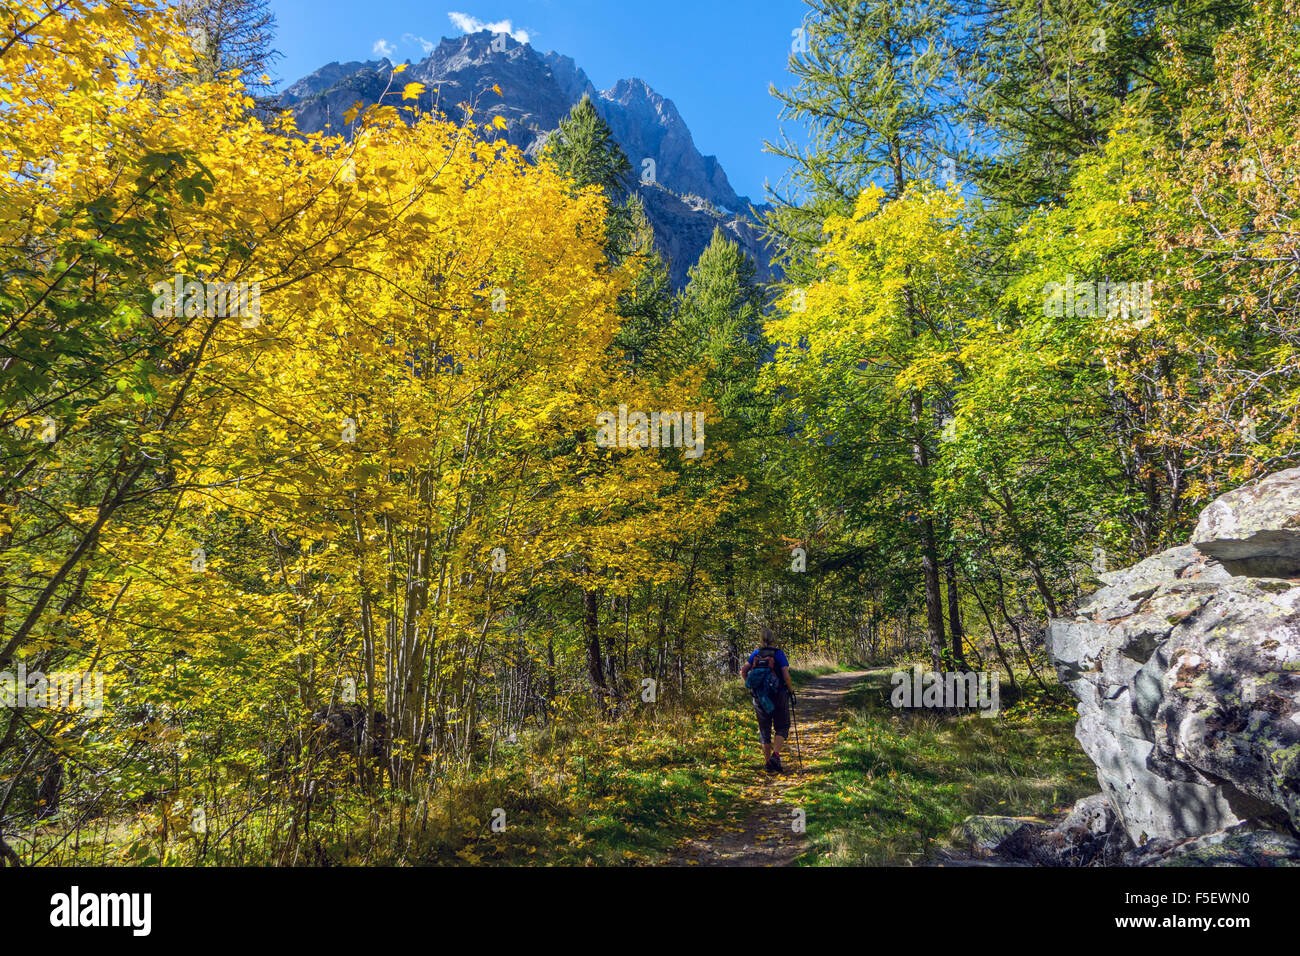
<point>1187,674</point>
<point>1255,530</point>
<point>981,835</point>
<point>1088,835</point>
<point>1242,845</point>
<point>1092,816</point>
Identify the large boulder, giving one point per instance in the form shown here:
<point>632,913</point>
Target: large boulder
<point>1187,671</point>
<point>1255,530</point>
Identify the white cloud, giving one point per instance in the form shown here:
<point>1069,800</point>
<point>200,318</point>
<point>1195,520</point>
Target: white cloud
<point>383,48</point>
<point>467,24</point>
<point>426,45</point>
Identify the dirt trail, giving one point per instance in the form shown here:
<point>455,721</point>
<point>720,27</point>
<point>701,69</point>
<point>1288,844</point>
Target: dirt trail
<point>766,837</point>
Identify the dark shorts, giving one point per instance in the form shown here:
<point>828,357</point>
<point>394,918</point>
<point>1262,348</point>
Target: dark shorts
<point>778,720</point>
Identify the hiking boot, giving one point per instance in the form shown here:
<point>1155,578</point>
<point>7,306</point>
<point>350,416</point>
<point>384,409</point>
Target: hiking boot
<point>774,765</point>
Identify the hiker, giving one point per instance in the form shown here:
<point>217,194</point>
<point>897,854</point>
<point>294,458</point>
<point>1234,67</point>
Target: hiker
<point>767,675</point>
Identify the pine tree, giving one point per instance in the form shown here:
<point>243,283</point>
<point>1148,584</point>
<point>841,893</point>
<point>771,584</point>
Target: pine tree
<point>1042,84</point>
<point>585,152</point>
<point>719,323</point>
<point>719,319</point>
<point>647,306</point>
<point>870,79</point>
<point>869,94</point>
<point>232,35</point>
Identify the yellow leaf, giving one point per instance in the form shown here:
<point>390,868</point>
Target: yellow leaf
<point>399,68</point>
<point>496,89</point>
<point>412,91</point>
<point>499,122</point>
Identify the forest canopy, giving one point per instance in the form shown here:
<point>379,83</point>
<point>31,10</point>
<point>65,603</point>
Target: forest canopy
<point>310,423</point>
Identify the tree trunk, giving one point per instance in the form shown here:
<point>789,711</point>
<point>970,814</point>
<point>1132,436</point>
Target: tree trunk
<point>595,665</point>
<point>929,550</point>
<point>954,616</point>
<point>737,628</point>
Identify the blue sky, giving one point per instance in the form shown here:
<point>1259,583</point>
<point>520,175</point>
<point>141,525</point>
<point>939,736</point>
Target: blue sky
<point>713,58</point>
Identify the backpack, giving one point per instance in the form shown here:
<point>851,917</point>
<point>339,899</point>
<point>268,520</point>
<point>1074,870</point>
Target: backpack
<point>763,681</point>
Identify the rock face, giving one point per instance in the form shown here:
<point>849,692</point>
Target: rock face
<point>1187,671</point>
<point>687,194</point>
<point>1255,530</point>
<point>1242,845</point>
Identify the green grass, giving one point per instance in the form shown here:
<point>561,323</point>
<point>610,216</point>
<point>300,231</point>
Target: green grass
<point>899,783</point>
<point>624,793</point>
<point>584,792</point>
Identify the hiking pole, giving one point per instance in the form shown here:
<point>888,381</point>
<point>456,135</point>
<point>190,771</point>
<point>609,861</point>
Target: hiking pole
<point>794,721</point>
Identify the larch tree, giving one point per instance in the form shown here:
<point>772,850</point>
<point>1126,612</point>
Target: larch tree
<point>866,95</point>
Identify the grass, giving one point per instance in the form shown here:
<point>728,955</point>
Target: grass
<point>625,792</point>
<point>814,664</point>
<point>896,785</point>
<point>584,792</point>
<point>622,793</point>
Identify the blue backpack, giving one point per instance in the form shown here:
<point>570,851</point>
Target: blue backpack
<point>763,681</point>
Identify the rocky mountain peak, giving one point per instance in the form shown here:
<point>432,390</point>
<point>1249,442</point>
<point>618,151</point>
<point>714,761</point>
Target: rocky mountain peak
<point>330,75</point>
<point>687,193</point>
<point>473,50</point>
